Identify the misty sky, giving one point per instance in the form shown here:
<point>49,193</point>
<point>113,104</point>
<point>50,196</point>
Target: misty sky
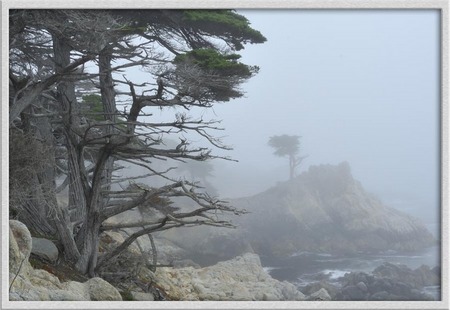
<point>358,85</point>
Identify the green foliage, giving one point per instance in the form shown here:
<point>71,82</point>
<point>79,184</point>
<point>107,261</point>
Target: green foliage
<point>221,74</point>
<point>285,145</point>
<point>93,107</point>
<point>211,60</point>
<point>224,23</point>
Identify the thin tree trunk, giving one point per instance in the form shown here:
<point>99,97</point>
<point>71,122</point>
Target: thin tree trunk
<point>291,166</point>
<point>77,199</point>
<point>109,108</point>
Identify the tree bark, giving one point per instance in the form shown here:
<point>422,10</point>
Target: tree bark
<point>102,173</point>
<point>77,199</point>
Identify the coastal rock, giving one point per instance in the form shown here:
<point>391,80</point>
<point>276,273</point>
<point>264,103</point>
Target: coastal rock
<point>323,210</point>
<point>311,288</point>
<point>241,278</point>
<point>29,284</point>
<point>138,296</point>
<point>45,249</point>
<point>21,237</point>
<point>326,210</point>
<point>420,277</point>
<point>387,282</point>
<point>99,289</point>
<point>353,292</point>
<point>321,294</point>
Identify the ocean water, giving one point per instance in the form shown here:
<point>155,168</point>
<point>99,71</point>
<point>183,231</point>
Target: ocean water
<point>303,268</point>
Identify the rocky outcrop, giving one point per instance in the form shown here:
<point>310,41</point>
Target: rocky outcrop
<point>242,278</point>
<point>322,210</point>
<point>418,278</point>
<point>27,283</point>
<point>312,288</point>
<point>362,286</point>
<point>388,282</point>
<point>326,210</point>
<point>320,295</point>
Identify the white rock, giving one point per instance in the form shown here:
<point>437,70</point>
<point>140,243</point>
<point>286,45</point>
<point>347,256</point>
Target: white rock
<point>99,289</point>
<point>22,238</point>
<point>30,284</point>
<point>241,278</point>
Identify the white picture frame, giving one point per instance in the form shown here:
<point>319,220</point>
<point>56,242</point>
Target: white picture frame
<point>442,6</point>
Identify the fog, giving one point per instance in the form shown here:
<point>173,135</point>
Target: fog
<point>360,86</point>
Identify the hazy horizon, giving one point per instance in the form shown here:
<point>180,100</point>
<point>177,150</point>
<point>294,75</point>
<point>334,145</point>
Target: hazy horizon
<point>360,86</point>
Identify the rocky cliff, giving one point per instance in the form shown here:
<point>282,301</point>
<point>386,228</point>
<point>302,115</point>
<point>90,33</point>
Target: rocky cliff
<point>325,209</point>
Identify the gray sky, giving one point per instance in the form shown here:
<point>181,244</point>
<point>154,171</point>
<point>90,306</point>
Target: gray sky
<point>360,86</point>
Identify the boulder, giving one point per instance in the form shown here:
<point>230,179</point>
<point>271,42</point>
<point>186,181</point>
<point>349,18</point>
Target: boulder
<point>45,249</point>
<point>321,294</point>
<point>99,289</point>
<point>20,233</point>
<point>428,277</point>
<point>139,296</point>
<point>29,284</point>
<point>311,288</point>
<point>353,292</point>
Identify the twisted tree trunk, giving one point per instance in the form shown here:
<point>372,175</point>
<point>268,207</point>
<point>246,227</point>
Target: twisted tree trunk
<point>102,173</point>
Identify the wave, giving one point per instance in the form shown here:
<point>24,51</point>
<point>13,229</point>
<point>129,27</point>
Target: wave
<point>306,253</point>
<point>269,269</point>
<point>334,274</point>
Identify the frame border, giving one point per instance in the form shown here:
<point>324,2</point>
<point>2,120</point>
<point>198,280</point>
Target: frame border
<point>441,5</point>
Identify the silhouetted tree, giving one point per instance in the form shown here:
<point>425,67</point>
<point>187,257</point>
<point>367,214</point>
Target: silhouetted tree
<point>286,145</point>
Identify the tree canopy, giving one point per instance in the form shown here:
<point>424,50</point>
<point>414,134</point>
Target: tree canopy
<point>93,123</point>
<point>286,145</point>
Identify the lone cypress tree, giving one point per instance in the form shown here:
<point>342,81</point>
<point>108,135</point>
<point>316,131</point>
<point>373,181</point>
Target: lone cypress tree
<point>286,145</point>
